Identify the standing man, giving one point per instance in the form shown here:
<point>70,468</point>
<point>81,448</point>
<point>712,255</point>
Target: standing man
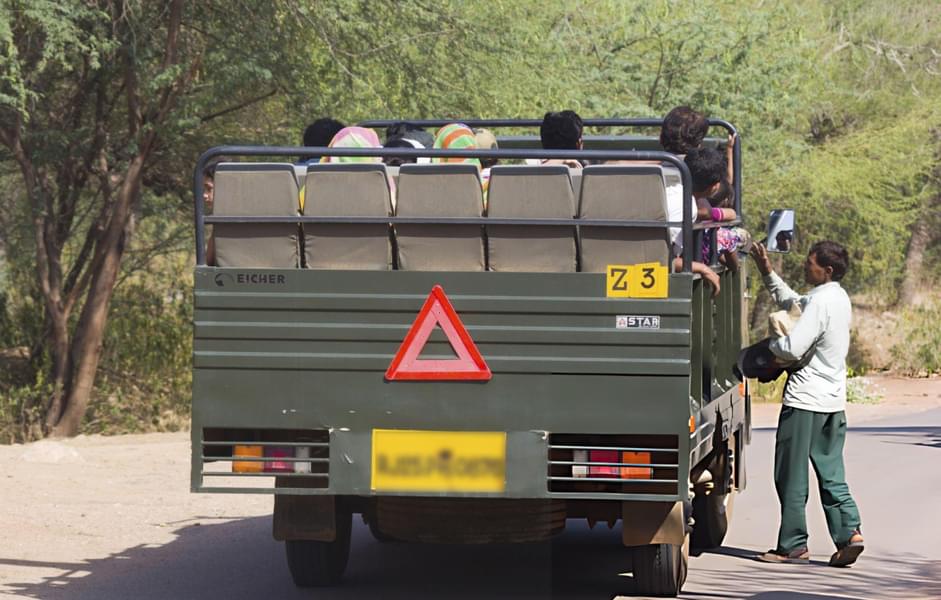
<point>812,424</point>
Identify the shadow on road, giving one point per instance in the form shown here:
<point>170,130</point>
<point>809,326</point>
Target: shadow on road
<point>905,577</point>
<point>238,559</point>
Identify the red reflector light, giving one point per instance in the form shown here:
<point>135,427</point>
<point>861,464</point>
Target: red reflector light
<point>603,456</point>
<point>636,472</point>
<point>278,466</point>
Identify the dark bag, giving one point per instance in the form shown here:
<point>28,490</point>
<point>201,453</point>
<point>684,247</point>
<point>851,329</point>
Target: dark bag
<point>758,362</point>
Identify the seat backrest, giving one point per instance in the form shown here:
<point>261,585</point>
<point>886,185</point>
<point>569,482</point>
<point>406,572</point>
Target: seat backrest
<point>300,171</point>
<point>256,189</point>
<point>347,190</point>
<point>439,190</point>
<point>628,192</point>
<point>534,192</point>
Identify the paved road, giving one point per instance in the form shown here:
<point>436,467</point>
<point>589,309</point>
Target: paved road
<point>892,468</point>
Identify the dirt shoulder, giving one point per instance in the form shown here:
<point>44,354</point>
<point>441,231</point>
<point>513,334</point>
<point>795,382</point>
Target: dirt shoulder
<point>897,395</point>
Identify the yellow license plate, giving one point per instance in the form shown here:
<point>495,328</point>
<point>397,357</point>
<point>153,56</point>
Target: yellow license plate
<point>438,461</point>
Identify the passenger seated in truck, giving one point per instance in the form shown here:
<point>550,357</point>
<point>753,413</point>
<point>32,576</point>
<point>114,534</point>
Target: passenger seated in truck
<point>353,137</point>
<point>703,270</point>
<point>401,142</point>
<point>562,131</point>
<point>319,133</point>
<point>209,187</point>
<point>411,132</point>
<point>675,213</point>
<point>713,194</point>
<point>683,129</point>
<point>456,136</point>
<point>486,141</point>
<point>708,169</point>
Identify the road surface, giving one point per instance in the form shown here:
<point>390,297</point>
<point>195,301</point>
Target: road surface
<point>108,518</point>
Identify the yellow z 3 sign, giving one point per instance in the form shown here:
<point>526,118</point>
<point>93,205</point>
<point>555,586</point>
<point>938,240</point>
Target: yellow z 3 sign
<point>643,280</point>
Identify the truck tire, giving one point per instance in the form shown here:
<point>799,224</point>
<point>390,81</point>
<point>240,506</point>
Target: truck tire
<point>711,516</point>
<point>660,569</point>
<point>379,535</point>
<point>315,564</point>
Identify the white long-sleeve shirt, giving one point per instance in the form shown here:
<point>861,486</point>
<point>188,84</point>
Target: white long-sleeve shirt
<point>821,385</point>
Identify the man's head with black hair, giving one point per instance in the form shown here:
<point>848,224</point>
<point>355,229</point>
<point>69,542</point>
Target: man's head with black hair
<point>321,131</point>
<point>209,183</point>
<point>399,142</point>
<point>708,167</point>
<point>683,129</point>
<point>561,131</point>
<point>404,129</point>
<point>826,258</point>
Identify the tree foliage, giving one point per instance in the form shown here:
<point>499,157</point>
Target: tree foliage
<point>105,104</point>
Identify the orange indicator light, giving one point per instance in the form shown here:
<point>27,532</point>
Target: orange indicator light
<point>245,466</point>
<point>636,472</point>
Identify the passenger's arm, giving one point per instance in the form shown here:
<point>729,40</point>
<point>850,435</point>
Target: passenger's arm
<point>806,332</point>
<point>706,212</point>
<point>705,272</point>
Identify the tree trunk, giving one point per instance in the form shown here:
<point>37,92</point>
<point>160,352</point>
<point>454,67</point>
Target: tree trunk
<point>89,332</point>
<point>914,260</point>
<point>59,352</point>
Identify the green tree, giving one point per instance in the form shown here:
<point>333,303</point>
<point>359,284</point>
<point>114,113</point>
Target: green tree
<point>90,96</point>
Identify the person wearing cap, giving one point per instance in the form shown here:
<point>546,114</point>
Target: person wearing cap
<point>812,424</point>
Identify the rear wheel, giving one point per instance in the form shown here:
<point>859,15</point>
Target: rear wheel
<point>315,563</point>
<point>660,569</point>
<point>379,535</point>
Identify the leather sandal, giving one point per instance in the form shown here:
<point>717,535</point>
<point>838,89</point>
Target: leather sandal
<point>796,556</point>
<point>847,554</point>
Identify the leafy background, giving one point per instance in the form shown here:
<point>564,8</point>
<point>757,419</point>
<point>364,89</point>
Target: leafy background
<point>837,102</point>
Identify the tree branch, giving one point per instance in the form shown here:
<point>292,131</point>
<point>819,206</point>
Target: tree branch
<point>237,107</point>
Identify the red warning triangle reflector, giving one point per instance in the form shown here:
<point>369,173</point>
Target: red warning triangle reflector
<point>469,364</point>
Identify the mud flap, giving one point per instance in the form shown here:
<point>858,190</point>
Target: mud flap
<point>654,523</point>
<point>304,518</point>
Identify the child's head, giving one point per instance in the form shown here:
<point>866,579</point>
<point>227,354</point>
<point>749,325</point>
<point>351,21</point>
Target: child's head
<point>683,130</point>
<point>722,197</point>
<point>708,169</point>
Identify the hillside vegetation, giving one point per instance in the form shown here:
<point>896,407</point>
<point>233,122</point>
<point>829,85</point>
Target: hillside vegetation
<point>105,105</point>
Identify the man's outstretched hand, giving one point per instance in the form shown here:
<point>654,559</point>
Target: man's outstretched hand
<point>760,254</point>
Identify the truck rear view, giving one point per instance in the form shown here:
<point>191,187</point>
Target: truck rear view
<point>461,367</point>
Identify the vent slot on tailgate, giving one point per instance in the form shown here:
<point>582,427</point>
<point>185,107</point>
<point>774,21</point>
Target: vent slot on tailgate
<point>613,464</point>
<point>253,458</point>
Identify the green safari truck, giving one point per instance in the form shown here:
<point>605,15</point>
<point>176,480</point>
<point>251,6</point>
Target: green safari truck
<point>461,366</point>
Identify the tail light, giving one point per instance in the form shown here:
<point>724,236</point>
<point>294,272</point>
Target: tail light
<point>632,472</point>
<point>279,466</point>
<point>614,464</point>
<point>247,466</point>
<point>603,456</point>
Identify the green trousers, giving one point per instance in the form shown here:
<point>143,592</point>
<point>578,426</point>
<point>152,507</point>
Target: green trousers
<point>819,437</point>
